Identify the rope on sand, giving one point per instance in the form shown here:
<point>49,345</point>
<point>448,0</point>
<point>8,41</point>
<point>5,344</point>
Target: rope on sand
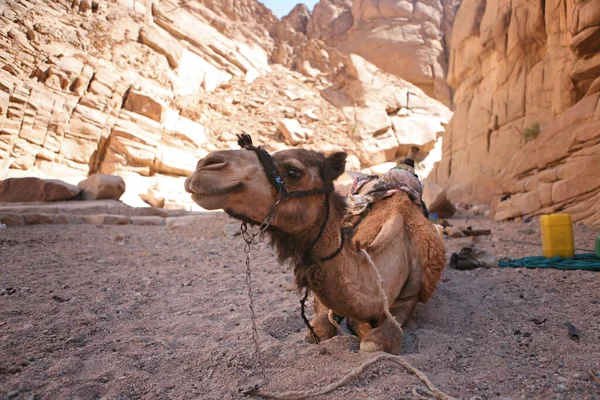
<point>421,393</point>
<point>356,372</point>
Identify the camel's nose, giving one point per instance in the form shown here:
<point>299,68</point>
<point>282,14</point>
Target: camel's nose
<point>213,161</point>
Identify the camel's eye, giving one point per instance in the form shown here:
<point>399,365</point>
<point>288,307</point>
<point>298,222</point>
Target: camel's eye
<point>294,173</point>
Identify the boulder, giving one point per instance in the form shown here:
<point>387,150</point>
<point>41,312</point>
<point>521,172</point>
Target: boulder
<point>162,44</point>
<point>35,189</point>
<point>293,131</point>
<point>435,198</point>
<point>102,187</point>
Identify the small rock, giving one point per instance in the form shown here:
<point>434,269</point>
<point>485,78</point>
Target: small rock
<point>291,95</point>
<point>227,137</point>
<point>293,132</point>
<point>310,114</point>
<point>78,340</point>
<point>8,291</point>
<point>60,299</point>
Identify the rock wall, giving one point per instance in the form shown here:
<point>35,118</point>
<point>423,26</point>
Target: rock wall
<point>526,127</point>
<point>387,106</point>
<point>144,89</point>
<point>406,38</point>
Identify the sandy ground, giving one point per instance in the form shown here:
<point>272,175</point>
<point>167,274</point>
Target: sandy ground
<point>126,312</point>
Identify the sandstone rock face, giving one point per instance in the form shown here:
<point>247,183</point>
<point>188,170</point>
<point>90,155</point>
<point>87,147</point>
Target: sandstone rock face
<point>102,187</point>
<point>31,189</point>
<point>388,114</point>
<point>409,39</point>
<point>527,120</point>
<point>298,18</point>
<point>435,198</point>
<point>130,90</point>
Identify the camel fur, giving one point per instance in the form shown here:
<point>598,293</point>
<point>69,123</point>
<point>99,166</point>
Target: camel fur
<point>404,246</point>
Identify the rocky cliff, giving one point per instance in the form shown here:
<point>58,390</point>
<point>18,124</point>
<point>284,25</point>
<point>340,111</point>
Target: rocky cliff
<point>387,64</point>
<point>143,89</point>
<point>409,39</point>
<point>526,127</point>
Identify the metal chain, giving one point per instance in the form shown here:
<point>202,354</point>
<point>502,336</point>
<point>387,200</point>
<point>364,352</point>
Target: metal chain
<point>248,239</point>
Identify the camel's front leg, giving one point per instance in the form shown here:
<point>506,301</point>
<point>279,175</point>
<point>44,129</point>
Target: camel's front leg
<point>386,336</point>
<point>321,325</point>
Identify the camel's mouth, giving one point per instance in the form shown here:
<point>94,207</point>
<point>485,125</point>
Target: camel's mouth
<point>207,191</point>
<point>210,197</point>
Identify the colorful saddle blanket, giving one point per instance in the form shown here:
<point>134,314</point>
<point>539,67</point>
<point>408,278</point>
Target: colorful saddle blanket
<point>376,189</point>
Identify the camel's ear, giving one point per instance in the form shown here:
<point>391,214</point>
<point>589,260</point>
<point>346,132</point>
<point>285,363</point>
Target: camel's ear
<point>334,166</point>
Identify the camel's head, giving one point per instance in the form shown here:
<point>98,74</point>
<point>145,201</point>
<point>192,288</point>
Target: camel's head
<point>236,182</point>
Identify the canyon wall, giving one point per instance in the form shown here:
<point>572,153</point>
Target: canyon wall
<point>526,128</point>
<point>143,89</point>
<point>409,39</point>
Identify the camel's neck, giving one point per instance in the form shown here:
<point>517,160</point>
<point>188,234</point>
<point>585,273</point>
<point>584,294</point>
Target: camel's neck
<point>310,243</point>
<point>328,242</point>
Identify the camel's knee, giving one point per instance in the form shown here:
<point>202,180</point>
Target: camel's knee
<point>322,327</point>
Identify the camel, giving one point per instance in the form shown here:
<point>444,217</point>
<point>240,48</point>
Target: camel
<point>293,190</point>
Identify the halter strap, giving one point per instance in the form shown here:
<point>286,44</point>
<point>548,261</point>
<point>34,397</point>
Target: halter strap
<point>265,159</point>
<point>276,181</point>
<point>272,173</point>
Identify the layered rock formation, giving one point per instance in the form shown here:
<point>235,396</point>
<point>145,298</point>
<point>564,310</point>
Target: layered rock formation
<point>526,127</point>
<point>388,114</point>
<point>370,52</point>
<point>408,39</point>
<point>144,89</point>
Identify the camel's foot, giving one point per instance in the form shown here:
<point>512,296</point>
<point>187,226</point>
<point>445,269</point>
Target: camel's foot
<point>386,338</point>
<point>322,327</point>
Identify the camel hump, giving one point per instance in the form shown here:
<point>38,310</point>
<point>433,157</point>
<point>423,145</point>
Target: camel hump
<point>431,247</point>
<point>420,232</point>
<point>429,244</point>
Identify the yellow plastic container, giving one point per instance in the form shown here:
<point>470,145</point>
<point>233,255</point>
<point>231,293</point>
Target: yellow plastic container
<point>557,235</point>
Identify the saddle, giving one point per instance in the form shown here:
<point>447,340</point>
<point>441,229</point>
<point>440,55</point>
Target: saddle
<point>367,190</point>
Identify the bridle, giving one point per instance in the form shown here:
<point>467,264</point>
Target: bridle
<point>281,193</point>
